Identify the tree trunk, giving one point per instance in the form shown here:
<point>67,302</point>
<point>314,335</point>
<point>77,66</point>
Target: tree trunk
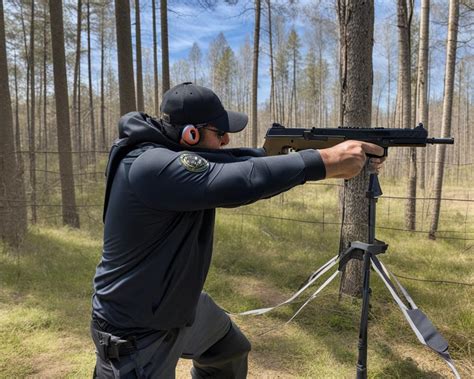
<point>76,86</point>
<point>70,215</point>
<point>447,112</point>
<point>12,204</point>
<point>422,91</point>
<point>165,59</point>
<point>91,92</point>
<point>125,58</point>
<point>404,78</point>
<point>32,134</point>
<point>256,41</point>
<point>356,28</point>
<point>138,53</point>
<point>155,62</point>
<point>102,84</point>
<point>45,96</point>
<point>295,108</point>
<point>272,75</point>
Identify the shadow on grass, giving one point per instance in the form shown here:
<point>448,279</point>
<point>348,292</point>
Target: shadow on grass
<point>54,272</point>
<point>336,331</point>
<point>400,367</point>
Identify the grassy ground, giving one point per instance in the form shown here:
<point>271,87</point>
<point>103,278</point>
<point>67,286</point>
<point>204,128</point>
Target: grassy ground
<point>45,289</point>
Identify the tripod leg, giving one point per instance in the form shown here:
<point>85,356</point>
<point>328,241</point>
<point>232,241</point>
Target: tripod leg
<point>418,321</point>
<point>364,319</point>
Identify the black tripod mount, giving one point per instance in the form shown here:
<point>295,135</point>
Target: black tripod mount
<point>364,251</point>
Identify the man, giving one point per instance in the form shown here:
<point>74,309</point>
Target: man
<point>164,180</point>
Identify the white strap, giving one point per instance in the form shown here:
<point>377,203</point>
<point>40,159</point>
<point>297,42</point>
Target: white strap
<point>329,280</point>
<point>385,275</point>
<point>313,277</point>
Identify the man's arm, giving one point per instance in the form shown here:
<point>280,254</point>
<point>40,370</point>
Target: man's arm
<point>163,180</point>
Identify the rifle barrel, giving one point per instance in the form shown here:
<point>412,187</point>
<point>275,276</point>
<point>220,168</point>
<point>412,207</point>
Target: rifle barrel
<point>443,141</point>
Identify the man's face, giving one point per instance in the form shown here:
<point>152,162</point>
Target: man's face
<point>212,138</point>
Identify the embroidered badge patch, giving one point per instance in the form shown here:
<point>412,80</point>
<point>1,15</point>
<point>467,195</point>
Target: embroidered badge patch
<point>193,162</point>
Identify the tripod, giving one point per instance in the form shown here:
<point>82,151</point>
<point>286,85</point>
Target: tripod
<point>367,252</point>
<point>418,321</point>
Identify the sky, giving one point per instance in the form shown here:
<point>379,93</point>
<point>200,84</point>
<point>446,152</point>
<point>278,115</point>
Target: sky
<point>188,22</point>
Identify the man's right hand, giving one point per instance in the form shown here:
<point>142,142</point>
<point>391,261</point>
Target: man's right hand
<point>348,158</point>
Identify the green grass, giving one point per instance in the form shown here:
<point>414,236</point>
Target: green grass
<point>46,287</point>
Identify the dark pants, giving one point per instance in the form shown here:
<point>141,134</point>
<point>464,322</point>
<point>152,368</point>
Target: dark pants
<point>214,343</point>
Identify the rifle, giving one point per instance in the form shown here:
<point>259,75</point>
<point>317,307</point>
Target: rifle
<point>281,140</point>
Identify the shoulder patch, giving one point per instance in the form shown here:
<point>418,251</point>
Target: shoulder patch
<point>193,162</point>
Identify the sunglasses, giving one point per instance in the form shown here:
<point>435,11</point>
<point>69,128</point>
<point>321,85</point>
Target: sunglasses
<point>220,133</point>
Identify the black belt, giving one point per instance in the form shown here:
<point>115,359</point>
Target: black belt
<point>110,346</point>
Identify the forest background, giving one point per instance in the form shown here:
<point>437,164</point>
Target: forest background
<point>55,146</point>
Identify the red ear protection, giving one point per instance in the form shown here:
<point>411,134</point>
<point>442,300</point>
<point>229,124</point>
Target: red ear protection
<point>189,135</point>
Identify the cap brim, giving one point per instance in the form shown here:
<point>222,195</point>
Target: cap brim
<point>231,122</point>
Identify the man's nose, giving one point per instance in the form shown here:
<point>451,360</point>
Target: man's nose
<point>225,139</point>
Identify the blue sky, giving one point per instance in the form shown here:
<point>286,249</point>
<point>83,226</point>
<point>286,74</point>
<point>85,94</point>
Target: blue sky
<point>189,23</point>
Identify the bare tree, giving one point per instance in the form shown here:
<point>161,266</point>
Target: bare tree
<point>76,86</point>
<point>12,205</point>
<point>272,75</point>
<point>404,78</point>
<point>102,74</point>
<point>356,29</point>
<point>422,88</point>
<point>195,57</point>
<point>138,57</point>
<point>440,156</point>
<point>70,215</point>
<point>155,61</point>
<point>293,49</point>
<point>32,131</point>
<point>91,92</point>
<point>256,40</point>
<point>45,95</point>
<point>165,59</point>
<point>125,58</point>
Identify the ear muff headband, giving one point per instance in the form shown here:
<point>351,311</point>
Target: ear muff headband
<point>190,135</point>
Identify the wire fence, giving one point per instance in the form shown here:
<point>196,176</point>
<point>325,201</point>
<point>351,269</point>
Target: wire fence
<point>90,176</point>
<point>14,203</point>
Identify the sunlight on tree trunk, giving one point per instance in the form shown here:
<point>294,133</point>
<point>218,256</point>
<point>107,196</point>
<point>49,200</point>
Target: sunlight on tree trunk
<point>356,23</point>
<point>447,112</point>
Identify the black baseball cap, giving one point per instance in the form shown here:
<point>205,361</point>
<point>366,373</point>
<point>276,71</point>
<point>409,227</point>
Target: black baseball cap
<point>188,103</point>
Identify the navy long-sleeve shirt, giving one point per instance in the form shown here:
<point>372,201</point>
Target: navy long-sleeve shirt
<point>159,227</point>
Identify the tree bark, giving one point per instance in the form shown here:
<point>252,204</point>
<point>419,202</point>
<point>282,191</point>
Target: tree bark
<point>76,86</point>
<point>32,134</point>
<point>404,78</point>
<point>155,62</point>
<point>356,28</point>
<point>138,54</point>
<point>422,91</point>
<point>447,112</point>
<point>12,204</point>
<point>256,41</point>
<point>272,75</point>
<point>70,215</point>
<point>45,96</point>
<point>91,92</point>
<point>165,59</point>
<point>125,57</point>
<point>102,83</point>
